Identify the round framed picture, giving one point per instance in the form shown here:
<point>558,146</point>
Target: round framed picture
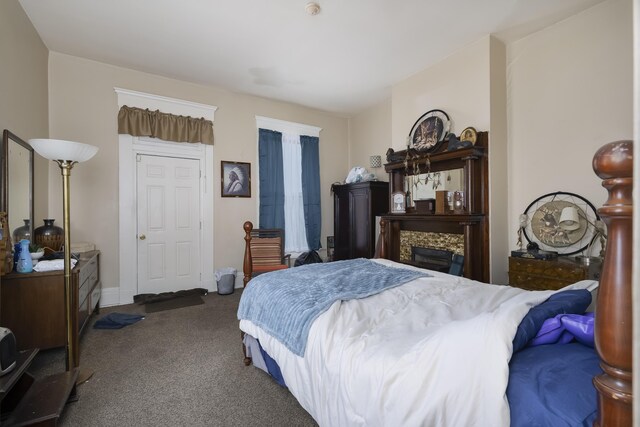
<point>469,134</point>
<point>429,131</point>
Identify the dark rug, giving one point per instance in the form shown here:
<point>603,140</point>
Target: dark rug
<point>147,298</point>
<point>170,304</point>
<point>117,320</point>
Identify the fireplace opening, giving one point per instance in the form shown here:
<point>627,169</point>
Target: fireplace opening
<point>437,259</point>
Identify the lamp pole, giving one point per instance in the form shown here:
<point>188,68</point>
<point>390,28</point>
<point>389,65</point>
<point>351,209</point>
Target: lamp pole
<point>73,152</point>
<point>71,350</point>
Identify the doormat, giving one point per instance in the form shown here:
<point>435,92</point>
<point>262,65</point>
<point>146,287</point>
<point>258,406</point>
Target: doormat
<point>170,304</point>
<point>147,298</point>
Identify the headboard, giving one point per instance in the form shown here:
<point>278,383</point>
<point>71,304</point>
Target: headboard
<point>613,334</point>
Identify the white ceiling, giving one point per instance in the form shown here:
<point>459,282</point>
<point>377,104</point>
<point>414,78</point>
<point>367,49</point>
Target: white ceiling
<point>342,60</point>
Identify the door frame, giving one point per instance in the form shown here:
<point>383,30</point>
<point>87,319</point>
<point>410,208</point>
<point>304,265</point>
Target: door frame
<point>128,149</point>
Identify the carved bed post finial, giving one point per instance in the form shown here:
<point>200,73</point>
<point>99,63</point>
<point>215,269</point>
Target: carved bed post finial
<point>613,334</point>
<point>383,239</point>
<point>248,263</point>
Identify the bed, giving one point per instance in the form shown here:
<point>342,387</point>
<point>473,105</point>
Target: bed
<point>397,345</point>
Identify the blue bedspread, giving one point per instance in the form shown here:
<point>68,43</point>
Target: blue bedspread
<point>552,385</point>
<point>285,303</point>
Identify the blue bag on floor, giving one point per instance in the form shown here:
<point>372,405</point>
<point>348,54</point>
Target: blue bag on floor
<point>117,320</point>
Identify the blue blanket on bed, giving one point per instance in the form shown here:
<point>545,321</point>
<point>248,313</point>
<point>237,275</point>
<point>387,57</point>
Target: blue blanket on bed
<point>285,303</point>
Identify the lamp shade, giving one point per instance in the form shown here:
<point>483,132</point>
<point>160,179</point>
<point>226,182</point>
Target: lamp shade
<point>58,149</point>
<point>569,219</point>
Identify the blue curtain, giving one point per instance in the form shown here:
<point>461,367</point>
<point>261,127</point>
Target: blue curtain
<point>311,189</point>
<point>271,179</point>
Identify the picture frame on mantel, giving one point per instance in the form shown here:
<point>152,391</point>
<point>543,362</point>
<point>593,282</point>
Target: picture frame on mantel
<point>236,179</point>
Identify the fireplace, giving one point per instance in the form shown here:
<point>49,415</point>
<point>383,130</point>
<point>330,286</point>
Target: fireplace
<point>462,235</point>
<point>431,258</point>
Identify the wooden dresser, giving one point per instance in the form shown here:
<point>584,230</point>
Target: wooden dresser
<point>355,207</point>
<point>537,274</point>
<point>32,304</point>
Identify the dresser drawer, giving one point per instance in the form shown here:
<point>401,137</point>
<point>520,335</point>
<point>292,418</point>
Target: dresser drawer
<point>539,274</point>
<point>89,270</point>
<point>88,278</point>
<point>94,298</point>
<point>535,283</point>
<point>83,314</point>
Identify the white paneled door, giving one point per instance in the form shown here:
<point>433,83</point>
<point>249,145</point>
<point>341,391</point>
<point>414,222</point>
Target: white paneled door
<point>168,223</point>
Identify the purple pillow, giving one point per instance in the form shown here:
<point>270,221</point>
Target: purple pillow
<point>565,302</point>
<point>563,328</point>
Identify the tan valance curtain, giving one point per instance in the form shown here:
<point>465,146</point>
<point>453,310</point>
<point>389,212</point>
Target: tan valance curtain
<point>139,122</point>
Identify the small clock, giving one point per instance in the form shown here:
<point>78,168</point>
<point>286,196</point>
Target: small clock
<point>398,202</point>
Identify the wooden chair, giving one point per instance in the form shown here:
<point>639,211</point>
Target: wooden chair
<point>263,252</point>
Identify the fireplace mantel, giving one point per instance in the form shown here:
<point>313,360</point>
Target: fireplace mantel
<point>471,223</point>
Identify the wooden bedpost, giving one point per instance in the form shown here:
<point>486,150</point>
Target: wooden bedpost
<point>383,239</point>
<point>247,265</point>
<point>613,334</point>
<point>381,242</point>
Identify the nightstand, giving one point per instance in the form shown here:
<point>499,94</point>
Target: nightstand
<point>537,274</point>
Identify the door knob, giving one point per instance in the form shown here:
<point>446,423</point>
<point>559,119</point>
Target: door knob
<point>142,237</point>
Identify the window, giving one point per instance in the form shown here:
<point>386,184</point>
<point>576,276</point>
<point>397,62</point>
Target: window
<point>289,181</point>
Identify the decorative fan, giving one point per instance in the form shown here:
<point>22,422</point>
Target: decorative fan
<point>561,222</point>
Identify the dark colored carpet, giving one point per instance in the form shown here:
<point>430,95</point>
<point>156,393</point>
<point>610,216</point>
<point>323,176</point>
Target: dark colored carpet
<point>174,368</point>
<point>170,304</point>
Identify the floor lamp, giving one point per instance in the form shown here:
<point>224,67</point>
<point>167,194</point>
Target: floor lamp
<point>66,154</point>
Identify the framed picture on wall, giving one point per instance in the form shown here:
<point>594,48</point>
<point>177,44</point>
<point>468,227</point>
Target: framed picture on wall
<point>236,179</point>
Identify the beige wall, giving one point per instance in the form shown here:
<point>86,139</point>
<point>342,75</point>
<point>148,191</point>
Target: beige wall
<point>570,92</point>
<point>549,101</point>
<point>23,85</point>
<point>83,108</point>
<point>459,85</point>
<point>498,163</point>
<point>370,135</point>
<point>470,87</point>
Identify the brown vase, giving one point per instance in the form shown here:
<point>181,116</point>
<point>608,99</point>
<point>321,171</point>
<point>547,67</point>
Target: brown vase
<point>6,248</point>
<point>49,235</point>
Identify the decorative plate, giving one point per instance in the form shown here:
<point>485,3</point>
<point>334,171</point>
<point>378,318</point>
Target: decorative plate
<point>561,222</point>
<point>429,131</point>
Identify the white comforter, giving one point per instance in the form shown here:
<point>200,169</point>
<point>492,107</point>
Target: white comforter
<point>433,352</point>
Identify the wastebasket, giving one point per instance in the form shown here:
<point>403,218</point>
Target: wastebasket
<point>226,279</point>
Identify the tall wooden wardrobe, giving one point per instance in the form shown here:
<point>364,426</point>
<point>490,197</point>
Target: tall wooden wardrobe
<point>355,207</point>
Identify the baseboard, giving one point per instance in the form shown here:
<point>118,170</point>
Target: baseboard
<point>110,297</point>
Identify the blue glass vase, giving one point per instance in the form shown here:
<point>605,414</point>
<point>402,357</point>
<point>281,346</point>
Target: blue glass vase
<point>25,264</point>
